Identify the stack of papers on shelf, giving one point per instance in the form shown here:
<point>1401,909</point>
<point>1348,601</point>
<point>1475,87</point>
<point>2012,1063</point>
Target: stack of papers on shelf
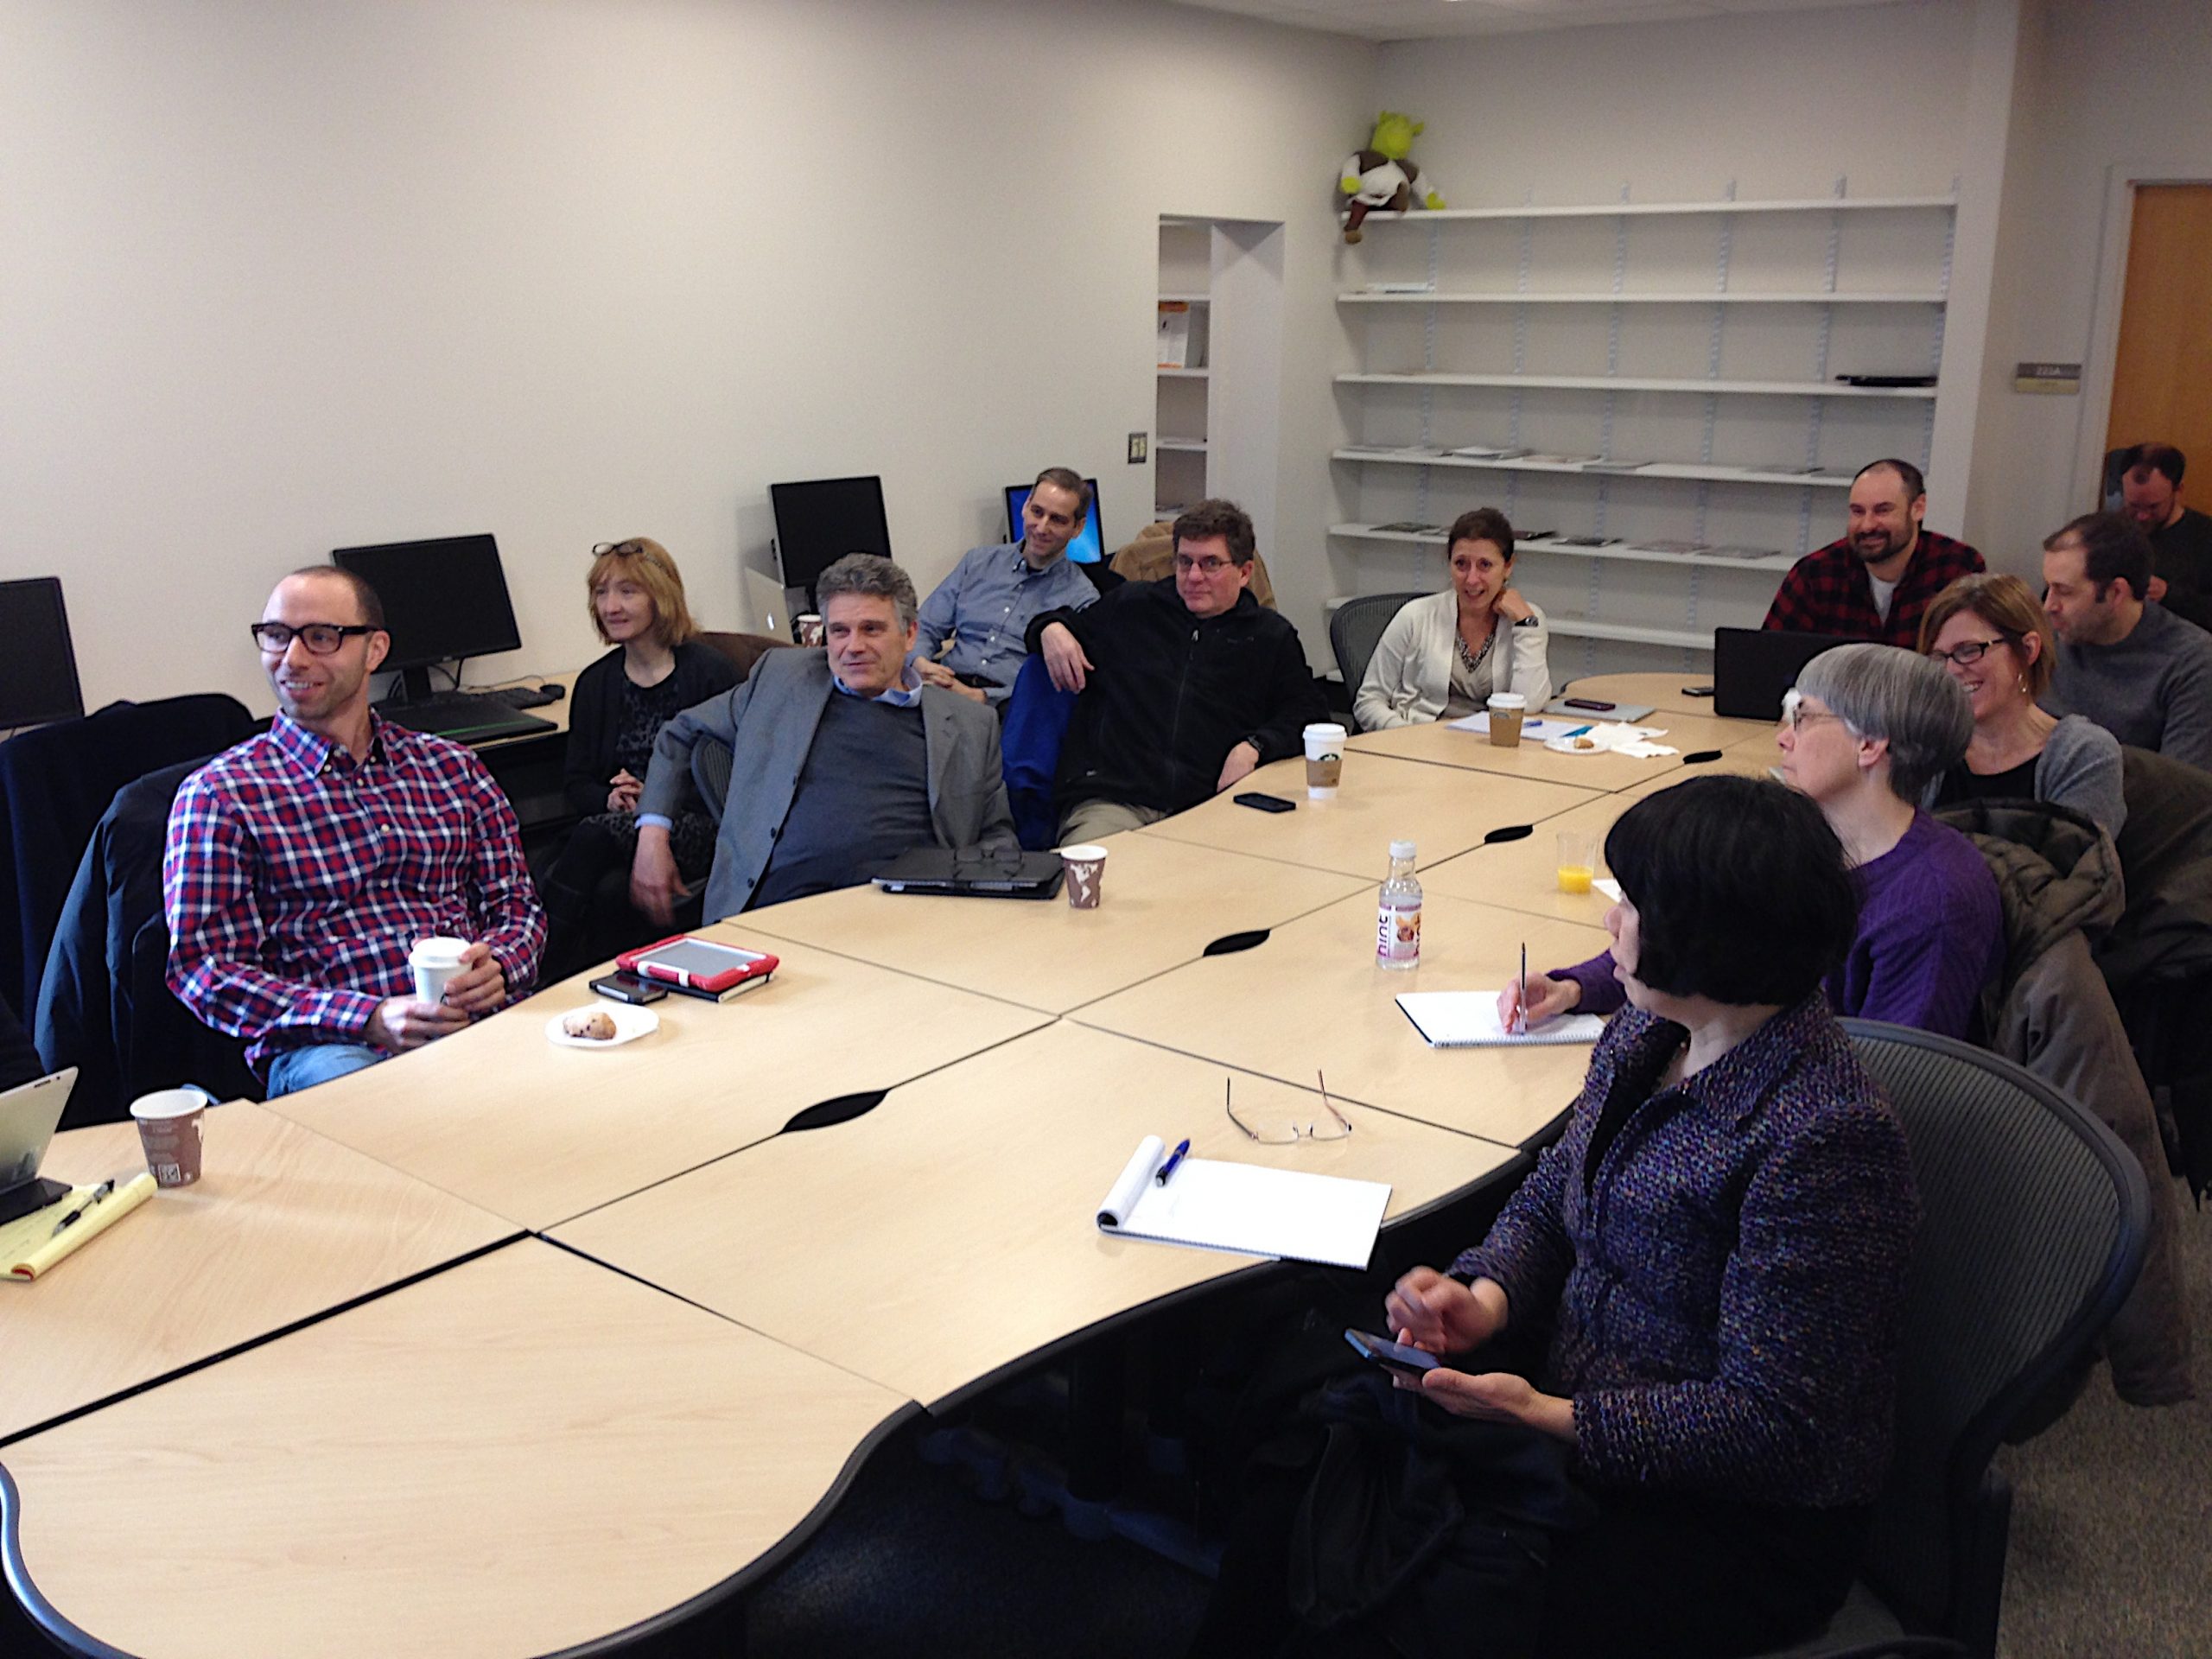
<point>1737,552</point>
<point>1398,288</point>
<point>1565,463</point>
<point>1174,334</point>
<point>1487,452</point>
<point>1614,465</point>
<point>1407,527</point>
<point>1211,1205</point>
<point>1672,547</point>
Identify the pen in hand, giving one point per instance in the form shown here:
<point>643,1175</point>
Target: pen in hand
<point>1521,1003</point>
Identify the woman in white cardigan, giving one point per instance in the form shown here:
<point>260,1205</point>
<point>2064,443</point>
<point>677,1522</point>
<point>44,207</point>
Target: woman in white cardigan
<point>1441,657</point>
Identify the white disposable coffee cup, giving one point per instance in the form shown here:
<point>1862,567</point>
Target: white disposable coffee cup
<point>810,629</point>
<point>172,1124</point>
<point>1086,874</point>
<point>1324,758</point>
<point>435,961</point>
<point>1507,710</point>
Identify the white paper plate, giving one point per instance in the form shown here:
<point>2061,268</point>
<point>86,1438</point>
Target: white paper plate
<point>1565,746</point>
<point>630,1024</point>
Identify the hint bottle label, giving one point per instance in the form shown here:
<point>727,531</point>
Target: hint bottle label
<point>1397,935</point>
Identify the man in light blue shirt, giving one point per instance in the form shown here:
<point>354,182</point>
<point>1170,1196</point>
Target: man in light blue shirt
<point>986,605</point>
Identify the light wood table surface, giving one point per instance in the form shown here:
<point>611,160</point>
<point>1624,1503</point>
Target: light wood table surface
<point>1524,876</point>
<point>537,1132</point>
<point>977,1189</point>
<point>1663,691</point>
<point>1436,743</point>
<point>1444,810</point>
<point>1164,902</point>
<point>1312,996</point>
<point>282,1224</point>
<point>1750,756</point>
<point>522,1454</point>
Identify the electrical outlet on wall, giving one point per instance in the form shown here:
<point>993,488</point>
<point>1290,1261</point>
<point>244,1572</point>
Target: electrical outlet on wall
<point>1140,445</point>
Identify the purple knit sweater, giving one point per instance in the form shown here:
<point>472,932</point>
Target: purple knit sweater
<point>1931,933</point>
<point>1725,1262</point>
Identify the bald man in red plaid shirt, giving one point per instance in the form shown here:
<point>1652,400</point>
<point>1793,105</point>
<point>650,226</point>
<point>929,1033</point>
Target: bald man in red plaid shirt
<point>1876,582</point>
<point>302,865</point>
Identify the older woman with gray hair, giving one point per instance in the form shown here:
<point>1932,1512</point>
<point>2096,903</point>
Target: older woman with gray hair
<point>1863,733</point>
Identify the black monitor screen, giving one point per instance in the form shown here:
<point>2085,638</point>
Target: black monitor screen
<point>819,522</point>
<point>38,669</point>
<point>442,600</point>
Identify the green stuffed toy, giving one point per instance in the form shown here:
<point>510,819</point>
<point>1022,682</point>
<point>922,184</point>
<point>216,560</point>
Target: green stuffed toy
<point>1380,176</point>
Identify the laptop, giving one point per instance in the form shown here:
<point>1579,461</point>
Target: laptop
<point>1752,667</point>
<point>28,1116</point>
<point>973,872</point>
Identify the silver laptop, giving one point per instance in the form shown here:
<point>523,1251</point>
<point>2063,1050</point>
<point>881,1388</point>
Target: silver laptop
<point>28,1116</point>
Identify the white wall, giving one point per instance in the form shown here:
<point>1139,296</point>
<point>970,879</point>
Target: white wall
<point>2114,89</point>
<point>292,275</point>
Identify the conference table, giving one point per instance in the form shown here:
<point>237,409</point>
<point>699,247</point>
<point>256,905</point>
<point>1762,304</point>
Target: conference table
<point>503,1347</point>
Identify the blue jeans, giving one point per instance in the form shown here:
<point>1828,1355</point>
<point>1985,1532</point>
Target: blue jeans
<point>302,1068</point>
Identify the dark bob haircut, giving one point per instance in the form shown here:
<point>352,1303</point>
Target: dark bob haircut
<point>1741,889</point>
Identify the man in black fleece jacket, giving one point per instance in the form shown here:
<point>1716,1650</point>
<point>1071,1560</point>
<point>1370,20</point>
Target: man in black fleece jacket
<point>1187,684</point>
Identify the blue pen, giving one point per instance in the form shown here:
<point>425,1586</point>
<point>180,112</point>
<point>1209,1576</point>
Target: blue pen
<point>1173,1159</point>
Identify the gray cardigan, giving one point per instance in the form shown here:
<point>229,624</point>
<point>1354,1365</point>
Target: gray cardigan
<point>2079,767</point>
<point>768,723</point>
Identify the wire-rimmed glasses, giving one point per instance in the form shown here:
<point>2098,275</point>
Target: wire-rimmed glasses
<point>1310,1132</point>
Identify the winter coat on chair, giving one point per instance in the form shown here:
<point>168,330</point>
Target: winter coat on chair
<point>2049,1010</point>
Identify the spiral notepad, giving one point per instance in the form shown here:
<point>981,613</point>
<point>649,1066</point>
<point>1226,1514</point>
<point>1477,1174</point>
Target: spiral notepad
<point>1469,1019</point>
<point>1213,1205</point>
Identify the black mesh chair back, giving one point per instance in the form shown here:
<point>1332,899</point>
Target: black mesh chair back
<point>1357,627</point>
<point>2033,1223</point>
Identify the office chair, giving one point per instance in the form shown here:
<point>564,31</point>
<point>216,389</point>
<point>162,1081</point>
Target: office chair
<point>2033,1223</point>
<point>1357,628</point>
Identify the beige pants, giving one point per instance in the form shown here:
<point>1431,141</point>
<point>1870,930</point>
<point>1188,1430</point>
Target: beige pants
<point>1095,820</point>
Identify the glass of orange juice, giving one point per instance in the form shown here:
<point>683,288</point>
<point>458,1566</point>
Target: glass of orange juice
<point>1577,860</point>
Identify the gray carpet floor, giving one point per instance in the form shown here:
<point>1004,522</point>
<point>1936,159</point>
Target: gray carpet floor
<point>2112,1516</point>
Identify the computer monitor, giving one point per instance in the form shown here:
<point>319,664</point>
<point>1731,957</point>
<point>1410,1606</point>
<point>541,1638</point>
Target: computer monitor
<point>1089,546</point>
<point>443,600</point>
<point>38,666</point>
<point>819,521</point>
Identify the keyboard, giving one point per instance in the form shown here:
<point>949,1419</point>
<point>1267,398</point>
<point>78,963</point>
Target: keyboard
<point>472,716</point>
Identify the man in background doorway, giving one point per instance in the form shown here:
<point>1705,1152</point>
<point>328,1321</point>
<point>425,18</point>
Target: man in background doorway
<point>2136,669</point>
<point>986,605</point>
<point>1875,582</point>
<point>2181,536</point>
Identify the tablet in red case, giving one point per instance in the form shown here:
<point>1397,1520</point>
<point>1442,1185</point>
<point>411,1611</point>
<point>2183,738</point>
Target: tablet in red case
<point>696,964</point>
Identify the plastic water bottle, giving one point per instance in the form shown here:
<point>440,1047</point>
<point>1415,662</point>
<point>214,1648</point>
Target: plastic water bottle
<point>1398,913</point>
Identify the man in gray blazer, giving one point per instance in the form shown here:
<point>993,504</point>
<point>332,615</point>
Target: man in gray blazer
<point>842,760</point>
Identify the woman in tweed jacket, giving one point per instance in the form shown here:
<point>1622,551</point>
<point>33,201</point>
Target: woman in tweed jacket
<point>1717,1245</point>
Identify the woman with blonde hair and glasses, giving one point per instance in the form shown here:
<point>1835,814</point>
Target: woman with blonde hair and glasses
<point>1994,637</point>
<point>658,667</point>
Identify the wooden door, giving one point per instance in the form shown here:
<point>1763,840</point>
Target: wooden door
<point>2162,382</point>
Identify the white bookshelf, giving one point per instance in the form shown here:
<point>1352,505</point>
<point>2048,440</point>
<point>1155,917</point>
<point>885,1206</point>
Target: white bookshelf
<point>1183,411</point>
<point>1633,383</point>
<point>1838,203</point>
<point>1508,297</point>
<point>1676,370</point>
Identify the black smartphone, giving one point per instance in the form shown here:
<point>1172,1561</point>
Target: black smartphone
<point>1591,703</point>
<point>1391,1356</point>
<point>1697,690</point>
<point>628,988</point>
<point>1252,798</point>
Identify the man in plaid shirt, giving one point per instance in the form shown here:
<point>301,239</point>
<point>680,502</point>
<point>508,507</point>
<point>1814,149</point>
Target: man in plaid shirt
<point>302,865</point>
<point>1875,582</point>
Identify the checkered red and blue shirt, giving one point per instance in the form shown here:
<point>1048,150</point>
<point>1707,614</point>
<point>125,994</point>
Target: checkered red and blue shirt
<point>296,880</point>
<point>1827,592</point>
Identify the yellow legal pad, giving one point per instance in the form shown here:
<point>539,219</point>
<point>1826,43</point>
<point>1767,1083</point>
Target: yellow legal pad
<point>29,1244</point>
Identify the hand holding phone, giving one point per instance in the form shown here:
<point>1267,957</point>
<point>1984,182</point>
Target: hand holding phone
<point>1391,1356</point>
